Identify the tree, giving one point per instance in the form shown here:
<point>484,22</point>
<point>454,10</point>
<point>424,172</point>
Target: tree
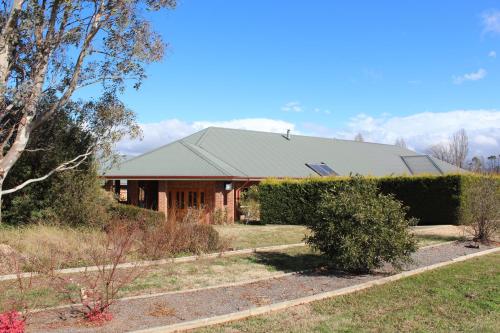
<point>51,48</point>
<point>400,142</point>
<point>455,152</point>
<point>459,148</point>
<point>359,138</point>
<point>476,164</point>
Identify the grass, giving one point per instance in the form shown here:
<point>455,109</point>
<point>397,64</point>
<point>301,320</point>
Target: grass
<point>251,236</point>
<point>463,297</point>
<point>189,275</point>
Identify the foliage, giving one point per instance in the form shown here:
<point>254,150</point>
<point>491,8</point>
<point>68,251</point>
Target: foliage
<point>51,48</point>
<point>97,289</point>
<point>73,197</point>
<point>431,199</point>
<point>249,203</point>
<point>170,238</point>
<point>481,207</point>
<point>359,228</point>
<point>135,215</point>
<point>219,216</point>
<point>11,322</point>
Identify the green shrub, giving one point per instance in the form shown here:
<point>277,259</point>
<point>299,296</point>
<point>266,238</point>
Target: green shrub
<point>249,204</point>
<point>359,228</point>
<point>431,199</point>
<point>135,214</point>
<point>481,207</point>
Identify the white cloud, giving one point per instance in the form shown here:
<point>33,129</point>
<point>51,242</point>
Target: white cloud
<point>419,130</point>
<point>422,130</point>
<point>474,76</point>
<point>491,22</point>
<point>292,107</point>
<point>166,131</point>
<point>492,54</point>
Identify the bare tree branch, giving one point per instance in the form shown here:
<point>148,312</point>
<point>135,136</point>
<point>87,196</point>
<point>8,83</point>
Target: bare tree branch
<point>72,164</point>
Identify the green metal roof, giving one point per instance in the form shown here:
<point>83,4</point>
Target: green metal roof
<point>231,153</point>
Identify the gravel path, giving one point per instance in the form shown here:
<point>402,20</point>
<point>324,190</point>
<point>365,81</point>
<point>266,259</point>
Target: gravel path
<point>169,309</point>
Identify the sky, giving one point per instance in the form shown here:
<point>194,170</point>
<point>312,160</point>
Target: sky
<point>419,70</point>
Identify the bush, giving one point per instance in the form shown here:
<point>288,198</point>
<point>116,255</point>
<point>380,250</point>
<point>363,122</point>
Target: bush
<point>249,204</point>
<point>170,238</point>
<point>11,322</point>
<point>359,228</point>
<point>481,207</point>
<point>134,214</point>
<point>219,216</point>
<point>431,199</point>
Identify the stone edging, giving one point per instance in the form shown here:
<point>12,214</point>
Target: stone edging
<point>303,300</point>
<point>146,263</point>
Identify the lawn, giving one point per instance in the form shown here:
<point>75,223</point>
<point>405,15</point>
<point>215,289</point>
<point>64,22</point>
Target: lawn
<point>463,297</point>
<point>196,274</point>
<point>251,236</point>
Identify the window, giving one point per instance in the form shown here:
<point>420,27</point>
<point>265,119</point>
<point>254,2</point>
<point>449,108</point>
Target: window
<point>169,200</point>
<point>190,199</point>
<point>321,169</point>
<point>180,200</point>
<point>202,199</point>
<point>195,199</point>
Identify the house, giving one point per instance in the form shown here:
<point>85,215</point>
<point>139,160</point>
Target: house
<point>209,169</point>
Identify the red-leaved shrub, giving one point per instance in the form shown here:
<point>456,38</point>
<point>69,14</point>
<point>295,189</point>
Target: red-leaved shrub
<point>11,322</point>
<point>98,315</point>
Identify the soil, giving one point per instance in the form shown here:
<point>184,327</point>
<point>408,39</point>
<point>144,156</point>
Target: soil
<point>135,314</point>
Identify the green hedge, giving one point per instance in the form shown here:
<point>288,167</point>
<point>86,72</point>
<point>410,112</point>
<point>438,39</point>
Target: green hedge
<point>431,199</point>
<point>137,214</point>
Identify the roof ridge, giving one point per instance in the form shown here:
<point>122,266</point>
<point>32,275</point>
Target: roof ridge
<point>302,135</point>
<point>214,164</point>
<point>160,147</point>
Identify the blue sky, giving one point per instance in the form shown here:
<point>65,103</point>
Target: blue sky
<point>413,69</point>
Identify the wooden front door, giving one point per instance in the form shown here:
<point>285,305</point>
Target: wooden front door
<point>187,201</point>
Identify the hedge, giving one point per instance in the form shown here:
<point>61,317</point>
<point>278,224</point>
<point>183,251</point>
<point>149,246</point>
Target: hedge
<point>134,213</point>
<point>431,199</point>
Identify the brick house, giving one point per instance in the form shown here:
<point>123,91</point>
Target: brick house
<point>208,170</point>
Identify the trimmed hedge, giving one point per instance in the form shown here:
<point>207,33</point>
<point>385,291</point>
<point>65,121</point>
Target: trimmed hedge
<point>431,199</point>
<point>134,213</point>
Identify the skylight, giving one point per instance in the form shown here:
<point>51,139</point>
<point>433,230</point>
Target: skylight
<point>321,169</point>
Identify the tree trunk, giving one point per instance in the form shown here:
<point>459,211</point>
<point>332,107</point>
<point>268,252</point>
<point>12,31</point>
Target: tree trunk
<point>1,187</point>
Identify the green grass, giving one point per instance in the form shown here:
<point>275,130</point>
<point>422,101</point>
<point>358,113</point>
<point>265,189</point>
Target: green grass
<point>463,297</point>
<point>251,236</point>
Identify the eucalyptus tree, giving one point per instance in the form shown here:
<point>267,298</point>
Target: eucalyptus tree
<point>55,47</point>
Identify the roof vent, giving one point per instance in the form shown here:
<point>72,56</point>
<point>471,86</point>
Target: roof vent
<point>288,136</point>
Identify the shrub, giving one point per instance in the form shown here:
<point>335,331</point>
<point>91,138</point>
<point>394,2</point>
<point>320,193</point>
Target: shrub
<point>249,203</point>
<point>135,215</point>
<point>219,216</point>
<point>359,228</point>
<point>11,322</point>
<point>481,207</point>
<point>170,239</point>
<point>431,199</point>
<point>98,289</point>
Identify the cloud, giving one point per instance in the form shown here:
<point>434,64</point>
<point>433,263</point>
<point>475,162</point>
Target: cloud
<point>474,76</point>
<point>292,107</point>
<point>492,54</point>
<point>422,130</point>
<point>491,22</point>
<point>419,130</point>
<point>166,131</point>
